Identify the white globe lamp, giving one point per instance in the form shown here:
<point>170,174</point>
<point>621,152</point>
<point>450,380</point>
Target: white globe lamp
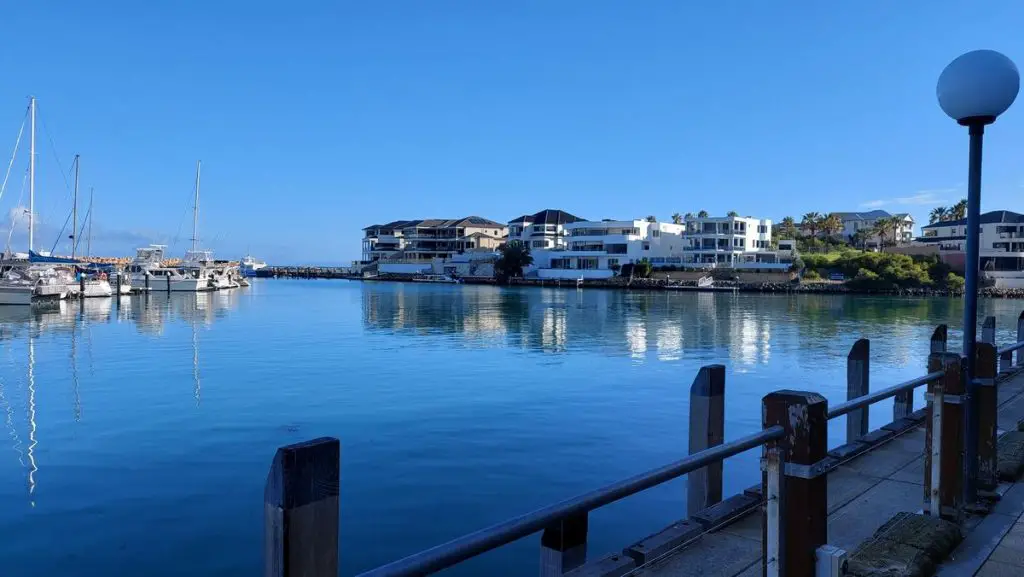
<point>974,90</point>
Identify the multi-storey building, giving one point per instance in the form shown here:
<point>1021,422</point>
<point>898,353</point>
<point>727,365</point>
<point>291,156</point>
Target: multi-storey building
<point>431,238</point>
<point>854,222</point>
<point>1001,245</point>
<point>723,240</point>
<point>596,249</point>
<point>544,230</point>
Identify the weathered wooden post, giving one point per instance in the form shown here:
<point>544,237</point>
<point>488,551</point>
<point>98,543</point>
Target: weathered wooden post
<point>988,330</point>
<point>938,343</point>
<point>300,516</point>
<point>794,485</point>
<point>985,375</point>
<point>1006,362</point>
<point>858,364</point>
<point>707,429</point>
<point>1020,337</point>
<point>81,284</point>
<point>168,277</point>
<point>563,546</point>
<point>943,464</point>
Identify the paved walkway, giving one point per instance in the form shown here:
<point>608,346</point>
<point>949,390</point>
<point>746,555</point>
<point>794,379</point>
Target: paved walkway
<point>862,495</point>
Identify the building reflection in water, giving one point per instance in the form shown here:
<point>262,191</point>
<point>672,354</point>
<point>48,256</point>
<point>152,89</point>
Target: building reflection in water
<point>641,325</point>
<point>73,321</point>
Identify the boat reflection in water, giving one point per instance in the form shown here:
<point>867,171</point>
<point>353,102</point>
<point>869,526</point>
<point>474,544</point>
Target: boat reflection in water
<point>31,336</point>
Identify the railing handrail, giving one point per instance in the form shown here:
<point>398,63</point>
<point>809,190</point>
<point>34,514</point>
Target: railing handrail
<point>1011,348</point>
<point>881,394</point>
<point>484,540</point>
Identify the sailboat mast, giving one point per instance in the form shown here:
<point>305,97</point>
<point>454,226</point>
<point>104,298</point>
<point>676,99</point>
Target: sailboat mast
<point>88,242</point>
<point>195,211</point>
<point>74,211</point>
<point>32,172</point>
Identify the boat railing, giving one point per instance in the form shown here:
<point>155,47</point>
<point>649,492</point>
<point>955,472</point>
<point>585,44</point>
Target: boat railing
<point>794,458</point>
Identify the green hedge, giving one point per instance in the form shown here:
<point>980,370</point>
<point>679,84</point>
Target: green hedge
<point>881,270</point>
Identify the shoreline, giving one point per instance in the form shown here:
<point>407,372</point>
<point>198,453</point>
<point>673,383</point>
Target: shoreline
<point>618,283</point>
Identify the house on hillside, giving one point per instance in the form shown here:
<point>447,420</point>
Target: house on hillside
<point>854,222</point>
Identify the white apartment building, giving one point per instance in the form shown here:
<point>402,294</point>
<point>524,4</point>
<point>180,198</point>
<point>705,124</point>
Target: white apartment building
<point>543,230</point>
<point>596,249</point>
<point>724,240</point>
<point>854,222</point>
<point>1001,247</point>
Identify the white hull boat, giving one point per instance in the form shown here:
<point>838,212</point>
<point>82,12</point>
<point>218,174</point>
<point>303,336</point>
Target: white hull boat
<point>16,294</point>
<point>97,288</point>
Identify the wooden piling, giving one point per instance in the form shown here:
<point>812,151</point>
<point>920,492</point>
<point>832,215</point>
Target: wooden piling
<point>707,429</point>
<point>988,330</point>
<point>1020,337</point>
<point>944,464</point>
<point>563,546</point>
<point>858,364</point>
<point>301,510</point>
<point>985,375</point>
<point>168,277</point>
<point>795,489</point>
<point>939,336</point>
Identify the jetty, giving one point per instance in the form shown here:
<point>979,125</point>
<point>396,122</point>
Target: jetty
<point>898,500</point>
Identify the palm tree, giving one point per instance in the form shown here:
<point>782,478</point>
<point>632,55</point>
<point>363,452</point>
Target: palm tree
<point>652,218</point>
<point>895,224</point>
<point>702,214</point>
<point>959,210</point>
<point>859,238</point>
<point>787,228</point>
<point>677,218</point>
<point>732,213</point>
<point>831,225</point>
<point>812,222</point>
<point>688,216</point>
<point>938,214</point>
<point>881,230</point>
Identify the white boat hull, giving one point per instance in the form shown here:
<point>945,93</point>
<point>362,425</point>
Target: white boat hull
<point>97,288</point>
<point>16,295</point>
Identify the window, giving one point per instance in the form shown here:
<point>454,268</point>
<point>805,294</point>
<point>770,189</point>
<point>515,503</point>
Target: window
<point>613,262</point>
<point>538,228</point>
<point>647,246</point>
<point>762,229</point>
<point>588,263</point>
<point>539,244</point>
<point>655,233</point>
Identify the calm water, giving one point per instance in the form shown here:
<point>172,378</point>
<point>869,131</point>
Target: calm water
<point>137,435</point>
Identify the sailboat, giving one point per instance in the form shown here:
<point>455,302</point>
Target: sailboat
<point>21,283</point>
<point>200,263</point>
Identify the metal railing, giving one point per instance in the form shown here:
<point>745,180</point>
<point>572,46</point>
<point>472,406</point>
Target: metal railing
<point>881,394</point>
<point>794,439</point>
<point>473,544</point>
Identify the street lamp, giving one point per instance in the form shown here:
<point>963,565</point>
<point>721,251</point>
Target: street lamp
<point>974,90</point>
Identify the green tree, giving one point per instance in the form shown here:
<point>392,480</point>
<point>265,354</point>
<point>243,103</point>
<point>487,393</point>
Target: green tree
<point>732,213</point>
<point>958,211</point>
<point>642,269</point>
<point>831,225</point>
<point>812,223</point>
<point>515,256</point>
<point>677,218</point>
<point>938,214</point>
<point>881,230</point>
<point>702,214</point>
<point>688,216</point>
<point>652,218</point>
<point>787,228</point>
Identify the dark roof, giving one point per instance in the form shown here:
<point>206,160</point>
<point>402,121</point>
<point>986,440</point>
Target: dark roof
<point>869,215</point>
<point>549,216</point>
<point>439,223</point>
<point>393,224</point>
<point>993,217</point>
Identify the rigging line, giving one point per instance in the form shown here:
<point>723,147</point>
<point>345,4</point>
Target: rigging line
<point>53,149</point>
<point>174,242</point>
<point>61,233</point>
<point>14,153</point>
<point>10,229</point>
<point>78,236</point>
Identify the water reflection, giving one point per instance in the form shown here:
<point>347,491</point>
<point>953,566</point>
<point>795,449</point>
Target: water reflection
<point>744,329</point>
<point>23,330</point>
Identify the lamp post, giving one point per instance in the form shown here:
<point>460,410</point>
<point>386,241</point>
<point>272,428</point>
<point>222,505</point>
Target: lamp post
<point>974,90</point>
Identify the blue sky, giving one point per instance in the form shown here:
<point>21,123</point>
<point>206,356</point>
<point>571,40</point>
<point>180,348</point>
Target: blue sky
<point>314,119</point>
